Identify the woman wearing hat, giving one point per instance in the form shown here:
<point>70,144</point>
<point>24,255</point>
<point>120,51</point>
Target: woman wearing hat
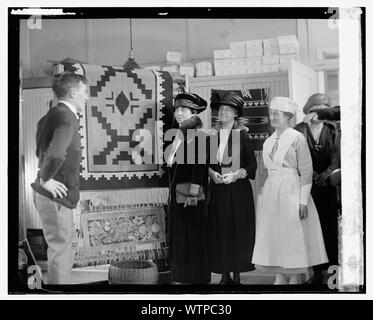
<point>231,208</point>
<point>288,237</point>
<point>323,140</point>
<point>188,185</point>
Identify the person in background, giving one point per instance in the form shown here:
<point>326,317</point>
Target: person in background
<point>323,139</point>
<point>231,207</point>
<point>188,181</point>
<point>288,237</point>
<point>56,188</point>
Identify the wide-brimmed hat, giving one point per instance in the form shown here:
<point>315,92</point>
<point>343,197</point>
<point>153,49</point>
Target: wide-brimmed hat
<point>190,100</point>
<point>316,99</point>
<point>231,99</point>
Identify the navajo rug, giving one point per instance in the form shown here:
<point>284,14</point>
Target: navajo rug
<point>122,126</point>
<point>254,113</point>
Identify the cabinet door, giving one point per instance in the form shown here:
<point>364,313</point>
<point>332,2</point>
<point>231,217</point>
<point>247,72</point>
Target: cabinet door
<point>303,82</point>
<point>35,105</point>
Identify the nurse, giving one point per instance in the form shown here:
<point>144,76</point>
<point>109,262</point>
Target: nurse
<point>288,239</point>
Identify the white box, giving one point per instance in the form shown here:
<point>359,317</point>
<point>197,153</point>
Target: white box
<point>222,62</point>
<point>222,67</point>
<point>187,69</point>
<point>271,47</point>
<point>271,68</point>
<point>252,61</point>
<point>239,70</point>
<point>236,54</point>
<point>272,59</point>
<point>238,46</point>
<point>288,44</point>
<point>286,58</point>
<point>241,62</point>
<point>255,69</point>
<point>173,57</point>
<point>223,70</point>
<point>222,54</point>
<point>254,48</point>
<point>203,69</point>
<point>171,68</point>
<point>154,68</point>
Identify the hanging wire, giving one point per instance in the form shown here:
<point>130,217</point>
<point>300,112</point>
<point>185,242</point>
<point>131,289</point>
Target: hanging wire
<point>131,33</point>
<point>131,63</point>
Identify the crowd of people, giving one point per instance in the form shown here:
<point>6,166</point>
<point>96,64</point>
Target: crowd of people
<point>212,223</point>
<point>292,232</point>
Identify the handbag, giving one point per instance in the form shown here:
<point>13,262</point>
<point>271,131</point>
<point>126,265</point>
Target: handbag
<point>182,192</point>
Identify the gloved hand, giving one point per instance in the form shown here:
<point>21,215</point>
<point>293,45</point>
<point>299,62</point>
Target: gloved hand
<point>233,177</point>
<point>190,201</point>
<point>216,176</point>
<point>324,178</point>
<point>315,177</point>
<point>229,178</point>
<point>311,117</point>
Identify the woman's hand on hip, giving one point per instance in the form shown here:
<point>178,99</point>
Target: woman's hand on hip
<point>303,212</point>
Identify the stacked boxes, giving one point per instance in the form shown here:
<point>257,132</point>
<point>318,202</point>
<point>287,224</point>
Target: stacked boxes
<point>271,47</point>
<point>254,64</point>
<point>239,66</point>
<point>154,68</point>
<point>222,62</point>
<point>173,57</point>
<point>238,49</point>
<point>187,69</point>
<point>271,58</point>
<point>172,68</point>
<point>242,57</point>
<point>288,44</point>
<point>204,69</point>
<point>279,52</point>
<point>246,56</point>
<point>289,50</point>
<point>254,48</point>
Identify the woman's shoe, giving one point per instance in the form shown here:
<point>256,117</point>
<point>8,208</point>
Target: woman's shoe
<point>236,278</point>
<point>225,279</point>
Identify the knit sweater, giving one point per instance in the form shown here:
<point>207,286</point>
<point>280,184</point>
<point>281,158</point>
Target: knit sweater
<point>59,153</point>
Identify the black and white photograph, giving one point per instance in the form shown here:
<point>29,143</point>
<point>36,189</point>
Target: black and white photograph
<point>186,150</point>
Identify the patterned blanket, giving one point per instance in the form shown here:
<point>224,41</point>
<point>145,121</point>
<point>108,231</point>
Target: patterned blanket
<point>123,187</point>
<point>122,126</point>
<point>254,113</point>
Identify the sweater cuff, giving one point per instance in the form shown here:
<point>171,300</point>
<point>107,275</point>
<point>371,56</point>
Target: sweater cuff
<point>305,191</point>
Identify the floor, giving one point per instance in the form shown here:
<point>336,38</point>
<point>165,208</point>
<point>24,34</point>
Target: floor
<point>100,273</point>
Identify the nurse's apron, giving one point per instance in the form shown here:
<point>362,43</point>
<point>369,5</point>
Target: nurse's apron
<point>282,238</point>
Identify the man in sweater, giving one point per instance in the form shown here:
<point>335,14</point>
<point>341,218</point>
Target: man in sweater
<point>56,188</point>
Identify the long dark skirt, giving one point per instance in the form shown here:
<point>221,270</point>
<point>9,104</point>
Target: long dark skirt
<point>326,204</point>
<point>188,244</point>
<point>231,227</point>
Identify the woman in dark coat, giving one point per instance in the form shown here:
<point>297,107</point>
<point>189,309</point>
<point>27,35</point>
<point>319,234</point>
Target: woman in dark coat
<point>323,140</point>
<point>188,220</point>
<point>231,207</point>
